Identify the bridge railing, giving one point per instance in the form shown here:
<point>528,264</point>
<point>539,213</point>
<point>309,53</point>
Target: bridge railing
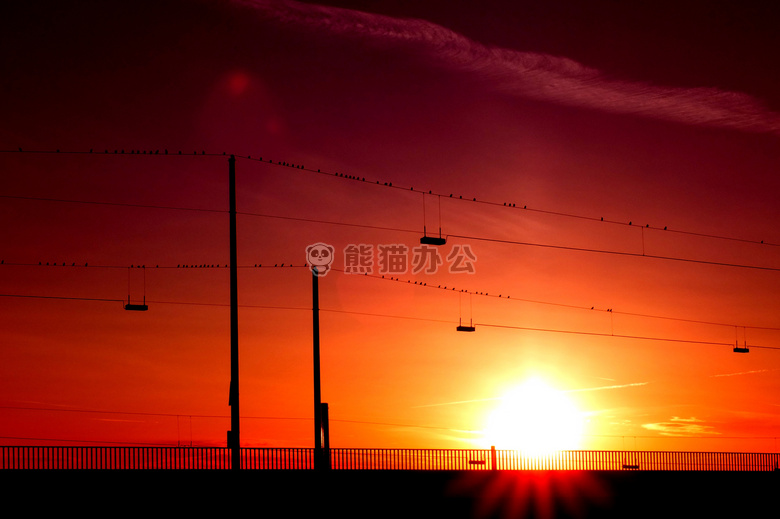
<point>219,458</point>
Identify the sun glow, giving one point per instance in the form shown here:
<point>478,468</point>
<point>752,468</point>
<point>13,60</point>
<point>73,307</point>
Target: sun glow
<point>535,419</point>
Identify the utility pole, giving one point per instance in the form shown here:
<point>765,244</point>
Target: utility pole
<point>234,442</point>
<point>315,292</point>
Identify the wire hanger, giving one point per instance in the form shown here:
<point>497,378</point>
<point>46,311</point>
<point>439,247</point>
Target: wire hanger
<point>135,306</point>
<point>461,327</point>
<point>432,240</point>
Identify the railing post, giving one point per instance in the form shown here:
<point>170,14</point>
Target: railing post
<point>493,458</point>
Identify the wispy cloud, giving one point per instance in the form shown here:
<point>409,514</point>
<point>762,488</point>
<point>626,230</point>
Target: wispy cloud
<point>457,402</point>
<point>603,388</point>
<point>478,400</point>
<point>681,427</point>
<point>751,372</point>
<point>532,75</point>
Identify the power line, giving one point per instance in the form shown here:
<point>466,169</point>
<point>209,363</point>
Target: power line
<point>350,421</point>
<point>191,415</point>
<point>510,205</point>
<point>29,438</point>
<point>118,151</point>
<point>375,227</point>
<point>472,199</point>
<point>187,266</point>
<point>620,336</point>
<point>28,296</point>
<point>413,231</point>
<point>369,314</point>
<point>136,413</point>
<point>117,204</point>
<point>331,222</point>
<point>616,253</point>
<point>448,288</point>
<point>387,278</point>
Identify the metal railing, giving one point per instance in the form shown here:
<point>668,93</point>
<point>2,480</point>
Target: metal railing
<point>218,458</point>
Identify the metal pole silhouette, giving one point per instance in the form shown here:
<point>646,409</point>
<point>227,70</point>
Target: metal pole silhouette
<point>315,292</point>
<point>325,437</point>
<point>234,442</point>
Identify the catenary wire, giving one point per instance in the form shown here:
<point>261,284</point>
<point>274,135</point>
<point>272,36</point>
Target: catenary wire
<point>319,171</point>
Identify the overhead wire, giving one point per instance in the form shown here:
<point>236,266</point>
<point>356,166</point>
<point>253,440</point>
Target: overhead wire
<point>308,419</point>
<point>643,254</point>
<point>388,184</point>
<point>617,253</point>
<point>116,204</point>
<point>397,279</point>
<point>473,199</point>
<point>310,220</point>
<point>416,318</point>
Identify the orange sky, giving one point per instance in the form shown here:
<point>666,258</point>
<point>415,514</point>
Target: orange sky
<point>634,324</point>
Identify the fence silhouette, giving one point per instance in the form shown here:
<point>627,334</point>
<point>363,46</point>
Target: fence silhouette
<point>219,458</point>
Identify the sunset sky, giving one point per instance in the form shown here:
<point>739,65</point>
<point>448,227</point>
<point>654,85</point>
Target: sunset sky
<point>611,167</point>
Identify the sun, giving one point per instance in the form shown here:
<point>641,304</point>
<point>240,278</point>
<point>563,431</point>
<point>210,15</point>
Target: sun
<point>536,420</point>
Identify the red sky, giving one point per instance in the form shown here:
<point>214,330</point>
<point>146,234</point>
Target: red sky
<point>650,116</point>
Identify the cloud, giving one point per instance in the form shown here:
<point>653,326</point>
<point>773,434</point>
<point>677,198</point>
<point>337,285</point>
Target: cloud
<point>458,402</point>
<point>602,388</point>
<point>742,373</point>
<point>531,75</point>
<point>681,427</point>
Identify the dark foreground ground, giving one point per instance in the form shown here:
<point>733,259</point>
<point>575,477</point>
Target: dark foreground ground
<point>393,494</point>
